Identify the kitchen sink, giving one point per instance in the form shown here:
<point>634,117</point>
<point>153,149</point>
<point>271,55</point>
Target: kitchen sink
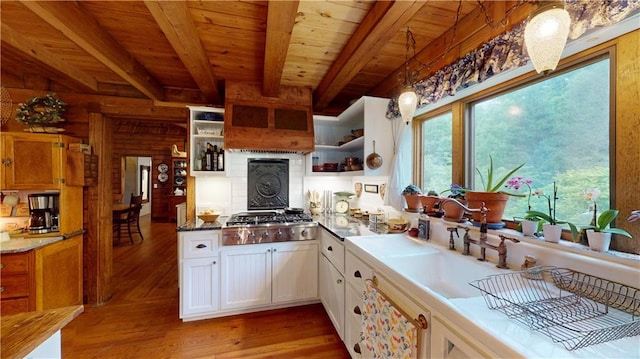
<point>444,272</point>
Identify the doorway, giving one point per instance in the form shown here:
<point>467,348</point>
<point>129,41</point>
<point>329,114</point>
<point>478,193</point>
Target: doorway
<point>136,178</point>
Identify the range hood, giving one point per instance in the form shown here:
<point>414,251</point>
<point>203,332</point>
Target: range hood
<point>257,123</point>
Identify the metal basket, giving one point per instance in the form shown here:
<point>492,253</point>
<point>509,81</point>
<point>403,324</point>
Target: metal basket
<point>577,310</point>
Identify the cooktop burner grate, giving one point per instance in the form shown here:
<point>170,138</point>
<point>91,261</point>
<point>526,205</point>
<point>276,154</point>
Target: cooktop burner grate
<point>247,218</point>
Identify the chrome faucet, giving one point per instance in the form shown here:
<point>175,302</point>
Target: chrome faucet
<point>482,241</point>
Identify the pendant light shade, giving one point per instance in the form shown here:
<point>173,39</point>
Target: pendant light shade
<point>407,103</point>
<point>546,34</point>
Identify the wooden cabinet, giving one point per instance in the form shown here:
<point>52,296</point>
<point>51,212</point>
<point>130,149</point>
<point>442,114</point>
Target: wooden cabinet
<point>271,273</point>
<point>33,161</point>
<point>43,278</point>
<point>333,144</point>
<point>206,126</point>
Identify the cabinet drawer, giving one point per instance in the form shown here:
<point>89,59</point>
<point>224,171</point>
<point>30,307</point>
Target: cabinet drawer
<point>333,249</point>
<point>353,321</point>
<point>14,306</point>
<point>356,271</point>
<point>14,286</point>
<point>14,263</point>
<point>200,245</point>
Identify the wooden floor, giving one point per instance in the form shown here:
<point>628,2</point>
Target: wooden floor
<point>141,320</point>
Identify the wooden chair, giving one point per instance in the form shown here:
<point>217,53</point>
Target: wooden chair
<point>126,219</point>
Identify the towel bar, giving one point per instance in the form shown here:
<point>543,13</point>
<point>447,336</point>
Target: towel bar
<point>420,322</point>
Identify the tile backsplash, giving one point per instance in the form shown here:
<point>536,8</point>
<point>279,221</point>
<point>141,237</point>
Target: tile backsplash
<point>228,194</point>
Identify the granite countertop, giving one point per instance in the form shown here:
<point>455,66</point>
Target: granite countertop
<point>347,226</point>
<point>17,245</point>
<point>199,225</point>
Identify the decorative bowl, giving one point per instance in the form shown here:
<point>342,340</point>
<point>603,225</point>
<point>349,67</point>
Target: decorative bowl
<point>397,225</point>
<point>208,218</point>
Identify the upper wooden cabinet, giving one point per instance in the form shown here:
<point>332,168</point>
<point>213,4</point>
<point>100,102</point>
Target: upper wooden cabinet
<point>35,161</point>
<point>254,122</point>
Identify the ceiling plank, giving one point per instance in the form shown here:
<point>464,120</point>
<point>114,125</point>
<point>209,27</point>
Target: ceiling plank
<point>380,24</point>
<point>82,29</point>
<point>36,52</point>
<point>281,17</point>
<point>176,23</point>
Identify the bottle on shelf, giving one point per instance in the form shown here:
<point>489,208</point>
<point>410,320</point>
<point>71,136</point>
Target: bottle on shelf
<point>214,158</point>
<point>208,157</point>
<point>221,159</point>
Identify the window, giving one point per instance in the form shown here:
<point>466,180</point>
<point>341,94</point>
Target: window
<point>558,127</point>
<point>436,153</point>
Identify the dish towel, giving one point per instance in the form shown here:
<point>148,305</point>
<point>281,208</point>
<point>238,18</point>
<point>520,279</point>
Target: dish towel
<point>386,332</point>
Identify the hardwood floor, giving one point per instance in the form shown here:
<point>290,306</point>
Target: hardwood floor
<point>141,319</point>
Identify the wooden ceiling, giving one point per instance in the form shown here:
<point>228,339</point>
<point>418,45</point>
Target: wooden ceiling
<point>183,52</point>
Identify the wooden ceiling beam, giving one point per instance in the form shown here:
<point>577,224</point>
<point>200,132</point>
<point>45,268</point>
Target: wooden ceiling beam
<point>176,23</point>
<point>281,16</point>
<point>157,113</point>
<point>69,75</point>
<point>84,31</point>
<point>380,24</point>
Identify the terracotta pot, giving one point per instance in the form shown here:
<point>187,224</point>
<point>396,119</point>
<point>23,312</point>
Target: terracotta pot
<point>494,201</point>
<point>431,202</point>
<point>452,212</point>
<point>414,202</point>
<point>598,241</point>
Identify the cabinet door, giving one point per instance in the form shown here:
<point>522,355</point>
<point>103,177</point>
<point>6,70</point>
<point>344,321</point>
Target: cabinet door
<point>246,277</point>
<point>32,161</point>
<point>294,272</point>
<point>199,291</point>
<point>332,289</point>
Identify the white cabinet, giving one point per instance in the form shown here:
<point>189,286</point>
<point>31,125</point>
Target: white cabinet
<point>199,275</point>
<point>206,126</point>
<point>332,289</point>
<point>199,290</point>
<point>368,114</point>
<point>268,273</point>
<point>332,284</point>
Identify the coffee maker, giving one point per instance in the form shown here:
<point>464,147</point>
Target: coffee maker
<point>43,212</point>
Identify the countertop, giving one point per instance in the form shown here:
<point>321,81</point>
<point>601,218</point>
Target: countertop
<point>347,226</point>
<point>199,225</point>
<point>29,242</point>
<point>23,332</point>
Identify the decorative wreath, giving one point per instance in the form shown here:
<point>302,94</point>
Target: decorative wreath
<point>40,111</point>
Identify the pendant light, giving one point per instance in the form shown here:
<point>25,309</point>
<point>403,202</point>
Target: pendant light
<point>546,34</point>
<point>408,99</point>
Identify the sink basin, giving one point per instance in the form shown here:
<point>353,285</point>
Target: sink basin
<point>444,272</point>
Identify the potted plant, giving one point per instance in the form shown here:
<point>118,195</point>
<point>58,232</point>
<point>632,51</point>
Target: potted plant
<point>492,195</point>
<point>599,232</point>
<point>431,201</point>
<point>452,212</point>
<point>551,226</point>
<point>527,226</point>
<point>412,195</point>
<point>40,112</point>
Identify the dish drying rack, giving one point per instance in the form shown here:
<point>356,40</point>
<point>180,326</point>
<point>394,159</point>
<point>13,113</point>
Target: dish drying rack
<point>570,307</point>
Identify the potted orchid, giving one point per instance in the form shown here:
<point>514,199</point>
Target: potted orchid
<point>552,227</point>
<point>599,232</point>
<point>528,227</point>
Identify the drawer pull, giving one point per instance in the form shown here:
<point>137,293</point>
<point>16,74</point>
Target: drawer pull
<point>200,246</point>
<point>1,289</point>
<point>330,248</point>
<point>1,266</point>
<point>356,348</point>
<point>356,310</point>
<point>357,274</point>
<point>214,262</point>
<point>339,281</point>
